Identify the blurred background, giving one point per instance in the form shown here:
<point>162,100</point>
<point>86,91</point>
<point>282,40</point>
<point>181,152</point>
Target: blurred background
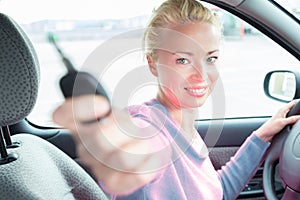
<point>82,26</point>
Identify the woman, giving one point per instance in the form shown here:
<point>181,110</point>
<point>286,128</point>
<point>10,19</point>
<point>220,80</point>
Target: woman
<point>155,152</point>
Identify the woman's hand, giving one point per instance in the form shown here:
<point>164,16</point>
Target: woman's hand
<point>274,125</point>
<point>114,148</point>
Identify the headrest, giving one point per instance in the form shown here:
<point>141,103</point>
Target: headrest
<point>19,72</point>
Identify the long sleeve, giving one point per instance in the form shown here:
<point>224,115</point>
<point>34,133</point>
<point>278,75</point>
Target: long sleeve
<point>241,168</point>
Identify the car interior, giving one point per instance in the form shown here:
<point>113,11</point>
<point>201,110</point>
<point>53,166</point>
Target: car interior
<point>38,161</point>
<point>33,168</point>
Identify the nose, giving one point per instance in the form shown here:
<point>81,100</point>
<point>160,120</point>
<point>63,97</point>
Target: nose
<point>198,73</point>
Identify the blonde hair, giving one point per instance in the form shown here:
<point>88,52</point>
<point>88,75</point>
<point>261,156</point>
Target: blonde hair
<point>175,12</point>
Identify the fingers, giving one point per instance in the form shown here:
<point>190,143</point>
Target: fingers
<point>292,119</point>
<point>79,109</point>
<point>275,124</point>
<point>290,105</point>
<point>282,113</point>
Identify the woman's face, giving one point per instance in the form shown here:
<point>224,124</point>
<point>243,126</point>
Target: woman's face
<point>186,64</point>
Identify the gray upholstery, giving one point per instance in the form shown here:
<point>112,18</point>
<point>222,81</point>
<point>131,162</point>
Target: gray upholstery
<point>19,72</point>
<point>41,171</point>
<point>44,172</point>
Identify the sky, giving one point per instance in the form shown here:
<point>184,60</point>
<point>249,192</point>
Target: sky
<point>289,4</point>
<point>25,11</point>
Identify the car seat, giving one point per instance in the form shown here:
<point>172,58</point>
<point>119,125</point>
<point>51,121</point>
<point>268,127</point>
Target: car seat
<point>31,167</point>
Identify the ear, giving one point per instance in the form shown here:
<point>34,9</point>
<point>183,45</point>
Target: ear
<point>151,64</point>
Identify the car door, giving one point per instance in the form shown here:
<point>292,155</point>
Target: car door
<point>236,108</point>
<point>251,54</point>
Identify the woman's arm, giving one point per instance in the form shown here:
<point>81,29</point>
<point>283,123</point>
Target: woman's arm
<point>241,168</point>
<point>236,174</point>
<point>116,148</point>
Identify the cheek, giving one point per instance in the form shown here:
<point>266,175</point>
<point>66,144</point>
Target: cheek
<point>213,75</point>
<point>168,76</point>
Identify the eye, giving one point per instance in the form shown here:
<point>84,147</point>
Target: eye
<point>182,61</point>
<point>212,59</point>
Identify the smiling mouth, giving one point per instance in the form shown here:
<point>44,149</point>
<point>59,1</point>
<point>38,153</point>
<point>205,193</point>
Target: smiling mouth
<point>197,92</point>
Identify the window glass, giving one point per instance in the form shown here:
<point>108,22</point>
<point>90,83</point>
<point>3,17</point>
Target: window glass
<point>292,6</point>
<point>246,55</point>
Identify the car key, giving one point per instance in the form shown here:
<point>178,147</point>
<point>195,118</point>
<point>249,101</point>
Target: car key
<point>77,83</point>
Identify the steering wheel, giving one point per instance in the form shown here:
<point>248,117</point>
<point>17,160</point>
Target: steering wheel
<point>285,151</point>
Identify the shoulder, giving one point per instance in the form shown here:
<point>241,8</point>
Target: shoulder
<point>151,111</point>
<point>147,109</point>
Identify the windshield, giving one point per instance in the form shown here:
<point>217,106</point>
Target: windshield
<point>292,6</point>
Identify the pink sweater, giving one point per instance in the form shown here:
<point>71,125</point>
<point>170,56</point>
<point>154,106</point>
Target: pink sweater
<point>191,175</point>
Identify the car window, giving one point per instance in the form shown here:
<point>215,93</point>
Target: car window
<point>292,6</point>
<point>246,54</point>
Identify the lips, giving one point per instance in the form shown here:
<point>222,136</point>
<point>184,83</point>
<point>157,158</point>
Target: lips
<point>197,91</point>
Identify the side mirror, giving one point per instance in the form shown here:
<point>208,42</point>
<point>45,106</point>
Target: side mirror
<point>282,85</point>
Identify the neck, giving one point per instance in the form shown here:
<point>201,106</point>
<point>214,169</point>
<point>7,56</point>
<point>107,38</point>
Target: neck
<point>184,117</point>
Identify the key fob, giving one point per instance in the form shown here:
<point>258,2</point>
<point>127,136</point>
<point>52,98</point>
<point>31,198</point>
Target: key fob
<point>82,83</point>
<point>76,83</point>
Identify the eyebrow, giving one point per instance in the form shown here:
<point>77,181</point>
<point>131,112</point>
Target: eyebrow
<point>211,52</point>
<point>191,54</point>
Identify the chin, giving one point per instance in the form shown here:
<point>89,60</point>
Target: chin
<point>192,105</point>
<point>195,103</point>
